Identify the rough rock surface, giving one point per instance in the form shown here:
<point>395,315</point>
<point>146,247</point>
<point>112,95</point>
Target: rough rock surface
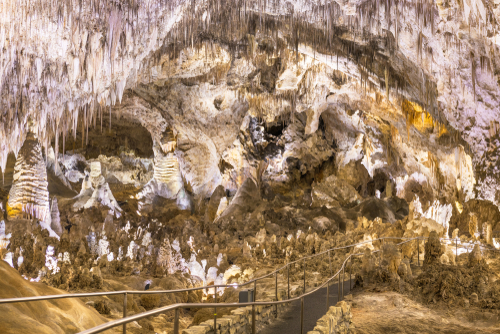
<point>59,316</point>
<point>332,192</point>
<point>212,210</point>
<point>29,194</point>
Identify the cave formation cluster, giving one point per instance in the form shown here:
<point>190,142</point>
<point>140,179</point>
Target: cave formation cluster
<point>185,143</point>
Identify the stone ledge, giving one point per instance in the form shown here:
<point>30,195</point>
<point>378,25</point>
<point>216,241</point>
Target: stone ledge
<point>338,319</point>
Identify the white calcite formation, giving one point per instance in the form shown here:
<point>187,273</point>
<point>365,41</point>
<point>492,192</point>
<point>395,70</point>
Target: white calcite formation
<point>167,180</point>
<point>95,191</point>
<point>4,238</point>
<point>29,196</point>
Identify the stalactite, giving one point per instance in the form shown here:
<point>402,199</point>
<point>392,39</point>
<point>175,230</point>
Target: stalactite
<point>473,73</point>
<point>387,82</point>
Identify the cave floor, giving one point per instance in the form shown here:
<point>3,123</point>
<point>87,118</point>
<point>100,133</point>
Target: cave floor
<point>392,312</point>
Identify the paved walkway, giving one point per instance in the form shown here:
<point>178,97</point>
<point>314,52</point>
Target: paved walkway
<point>314,308</point>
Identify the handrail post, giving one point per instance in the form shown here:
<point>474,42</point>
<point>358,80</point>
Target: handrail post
<point>176,321</point>
<point>253,319</point>
<point>302,315</point>
<point>304,275</point>
<point>255,290</point>
<point>276,292</point>
<point>330,262</point>
<point>327,295</point>
<point>350,276</point>
<point>343,280</point>
<point>125,311</point>
<point>338,287</point>
<point>328,283</point>
<point>215,311</point>
<point>288,278</point>
<point>456,251</point>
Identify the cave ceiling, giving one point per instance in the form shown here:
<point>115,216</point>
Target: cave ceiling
<point>404,87</point>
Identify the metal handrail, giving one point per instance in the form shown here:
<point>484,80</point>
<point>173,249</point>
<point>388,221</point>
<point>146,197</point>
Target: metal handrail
<point>176,307</point>
<point>137,292</point>
<point>95,294</point>
<point>160,310</point>
<point>275,272</point>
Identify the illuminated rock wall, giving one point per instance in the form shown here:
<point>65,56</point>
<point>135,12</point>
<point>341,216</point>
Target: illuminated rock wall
<point>29,194</point>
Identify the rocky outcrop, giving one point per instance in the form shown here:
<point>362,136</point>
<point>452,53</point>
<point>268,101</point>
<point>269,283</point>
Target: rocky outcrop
<point>29,195</point>
<point>338,319</point>
<point>484,211</point>
<point>213,204</point>
<point>246,198</point>
<point>334,192</point>
<point>44,317</point>
<point>355,174</point>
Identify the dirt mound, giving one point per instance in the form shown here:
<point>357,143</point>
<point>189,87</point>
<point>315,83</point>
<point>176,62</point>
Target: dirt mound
<point>391,312</point>
<point>56,316</point>
<point>456,284</point>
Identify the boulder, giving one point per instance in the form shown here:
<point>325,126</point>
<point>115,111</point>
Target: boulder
<point>246,199</point>
<point>213,204</point>
<point>334,192</point>
<point>355,174</point>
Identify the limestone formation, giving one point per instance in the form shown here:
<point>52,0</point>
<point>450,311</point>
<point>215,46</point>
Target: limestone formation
<point>215,141</point>
<point>55,217</point>
<point>388,189</point>
<point>489,234</point>
<point>213,205</point>
<point>96,192</point>
<point>333,192</point>
<point>475,256</point>
<point>167,180</point>
<point>246,198</point>
<point>368,265</point>
<point>29,196</point>
<point>433,249</point>
<point>473,227</point>
<point>391,257</point>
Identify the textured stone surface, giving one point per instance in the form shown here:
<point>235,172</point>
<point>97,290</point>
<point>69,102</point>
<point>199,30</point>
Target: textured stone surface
<point>334,192</point>
<point>29,194</point>
<point>212,210</point>
<point>338,319</point>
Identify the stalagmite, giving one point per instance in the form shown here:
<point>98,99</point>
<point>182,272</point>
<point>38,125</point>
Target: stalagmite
<point>387,83</point>
<point>29,195</point>
<point>55,217</point>
<point>388,189</point>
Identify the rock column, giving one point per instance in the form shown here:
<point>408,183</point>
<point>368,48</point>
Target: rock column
<point>29,196</point>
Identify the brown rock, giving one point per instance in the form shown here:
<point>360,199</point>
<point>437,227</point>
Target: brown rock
<point>433,249</point>
<point>213,204</point>
<point>475,256</point>
<point>333,192</point>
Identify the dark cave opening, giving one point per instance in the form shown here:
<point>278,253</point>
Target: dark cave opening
<point>276,129</point>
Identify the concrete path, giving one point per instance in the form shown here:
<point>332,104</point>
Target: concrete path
<point>314,308</point>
